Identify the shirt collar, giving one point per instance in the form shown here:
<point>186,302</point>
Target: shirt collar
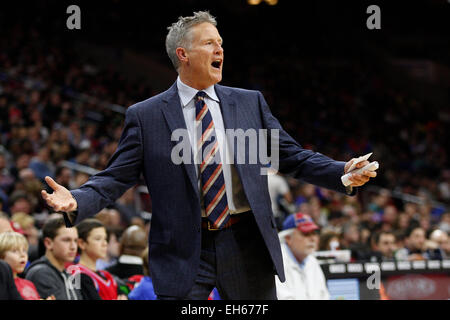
<point>127,259</point>
<point>187,93</point>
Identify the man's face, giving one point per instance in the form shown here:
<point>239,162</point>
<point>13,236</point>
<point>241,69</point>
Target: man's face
<point>386,245</point>
<point>390,214</point>
<point>64,177</point>
<point>302,244</point>
<point>416,240</point>
<point>21,205</point>
<point>204,57</point>
<point>23,161</point>
<point>64,245</point>
<point>352,235</point>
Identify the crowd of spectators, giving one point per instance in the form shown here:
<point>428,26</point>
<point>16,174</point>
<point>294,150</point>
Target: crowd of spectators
<point>378,230</point>
<point>52,109</point>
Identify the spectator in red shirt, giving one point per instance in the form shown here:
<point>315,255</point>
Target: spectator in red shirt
<point>14,250</point>
<point>93,245</point>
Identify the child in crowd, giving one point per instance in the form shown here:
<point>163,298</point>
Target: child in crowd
<point>14,250</point>
<point>93,245</point>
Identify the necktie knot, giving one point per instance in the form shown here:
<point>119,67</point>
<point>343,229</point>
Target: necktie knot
<point>200,95</point>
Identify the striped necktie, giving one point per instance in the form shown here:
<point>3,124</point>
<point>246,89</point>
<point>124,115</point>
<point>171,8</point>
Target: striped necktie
<point>211,175</point>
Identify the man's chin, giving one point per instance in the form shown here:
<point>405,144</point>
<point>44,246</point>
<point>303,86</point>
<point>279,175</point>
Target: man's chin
<point>217,80</point>
<point>217,77</point>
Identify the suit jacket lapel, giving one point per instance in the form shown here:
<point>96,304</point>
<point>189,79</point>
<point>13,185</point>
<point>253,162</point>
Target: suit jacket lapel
<point>230,120</point>
<point>173,114</point>
<point>228,107</point>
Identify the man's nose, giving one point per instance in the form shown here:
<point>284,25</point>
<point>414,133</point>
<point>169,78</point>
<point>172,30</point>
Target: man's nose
<point>219,49</point>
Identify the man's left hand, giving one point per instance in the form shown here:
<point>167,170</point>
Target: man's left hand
<point>359,179</point>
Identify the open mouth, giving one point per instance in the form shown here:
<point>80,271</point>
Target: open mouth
<point>216,64</point>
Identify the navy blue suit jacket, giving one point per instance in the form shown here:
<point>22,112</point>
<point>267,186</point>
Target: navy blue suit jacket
<point>145,147</point>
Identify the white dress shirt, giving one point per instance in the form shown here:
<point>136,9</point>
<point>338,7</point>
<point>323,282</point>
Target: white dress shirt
<point>277,186</point>
<point>237,201</point>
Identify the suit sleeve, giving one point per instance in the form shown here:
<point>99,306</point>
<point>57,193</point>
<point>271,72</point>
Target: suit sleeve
<point>122,172</point>
<point>312,167</point>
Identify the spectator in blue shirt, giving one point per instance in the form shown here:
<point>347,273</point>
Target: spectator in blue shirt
<point>144,289</point>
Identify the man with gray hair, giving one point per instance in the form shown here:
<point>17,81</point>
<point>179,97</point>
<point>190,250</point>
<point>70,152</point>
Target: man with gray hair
<point>212,222</point>
<point>304,277</point>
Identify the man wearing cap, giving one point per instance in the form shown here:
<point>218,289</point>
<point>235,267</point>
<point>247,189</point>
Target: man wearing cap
<point>304,277</point>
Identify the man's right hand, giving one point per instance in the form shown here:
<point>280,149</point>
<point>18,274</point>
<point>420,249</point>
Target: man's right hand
<point>61,199</point>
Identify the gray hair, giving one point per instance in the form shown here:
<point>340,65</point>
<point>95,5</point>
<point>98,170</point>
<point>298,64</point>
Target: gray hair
<point>179,35</point>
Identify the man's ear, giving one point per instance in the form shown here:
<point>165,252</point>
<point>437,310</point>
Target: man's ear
<point>287,238</point>
<point>182,54</point>
<point>81,244</point>
<point>48,243</point>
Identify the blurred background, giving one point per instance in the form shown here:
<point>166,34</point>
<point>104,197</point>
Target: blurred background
<point>337,87</point>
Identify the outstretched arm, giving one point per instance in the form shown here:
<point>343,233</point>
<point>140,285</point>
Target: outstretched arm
<point>105,187</point>
<point>312,167</point>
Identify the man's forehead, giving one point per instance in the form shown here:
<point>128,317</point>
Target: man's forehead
<point>387,236</point>
<point>67,232</point>
<point>206,30</point>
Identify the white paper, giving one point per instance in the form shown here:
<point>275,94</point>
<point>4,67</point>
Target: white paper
<point>370,167</point>
<point>358,160</point>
